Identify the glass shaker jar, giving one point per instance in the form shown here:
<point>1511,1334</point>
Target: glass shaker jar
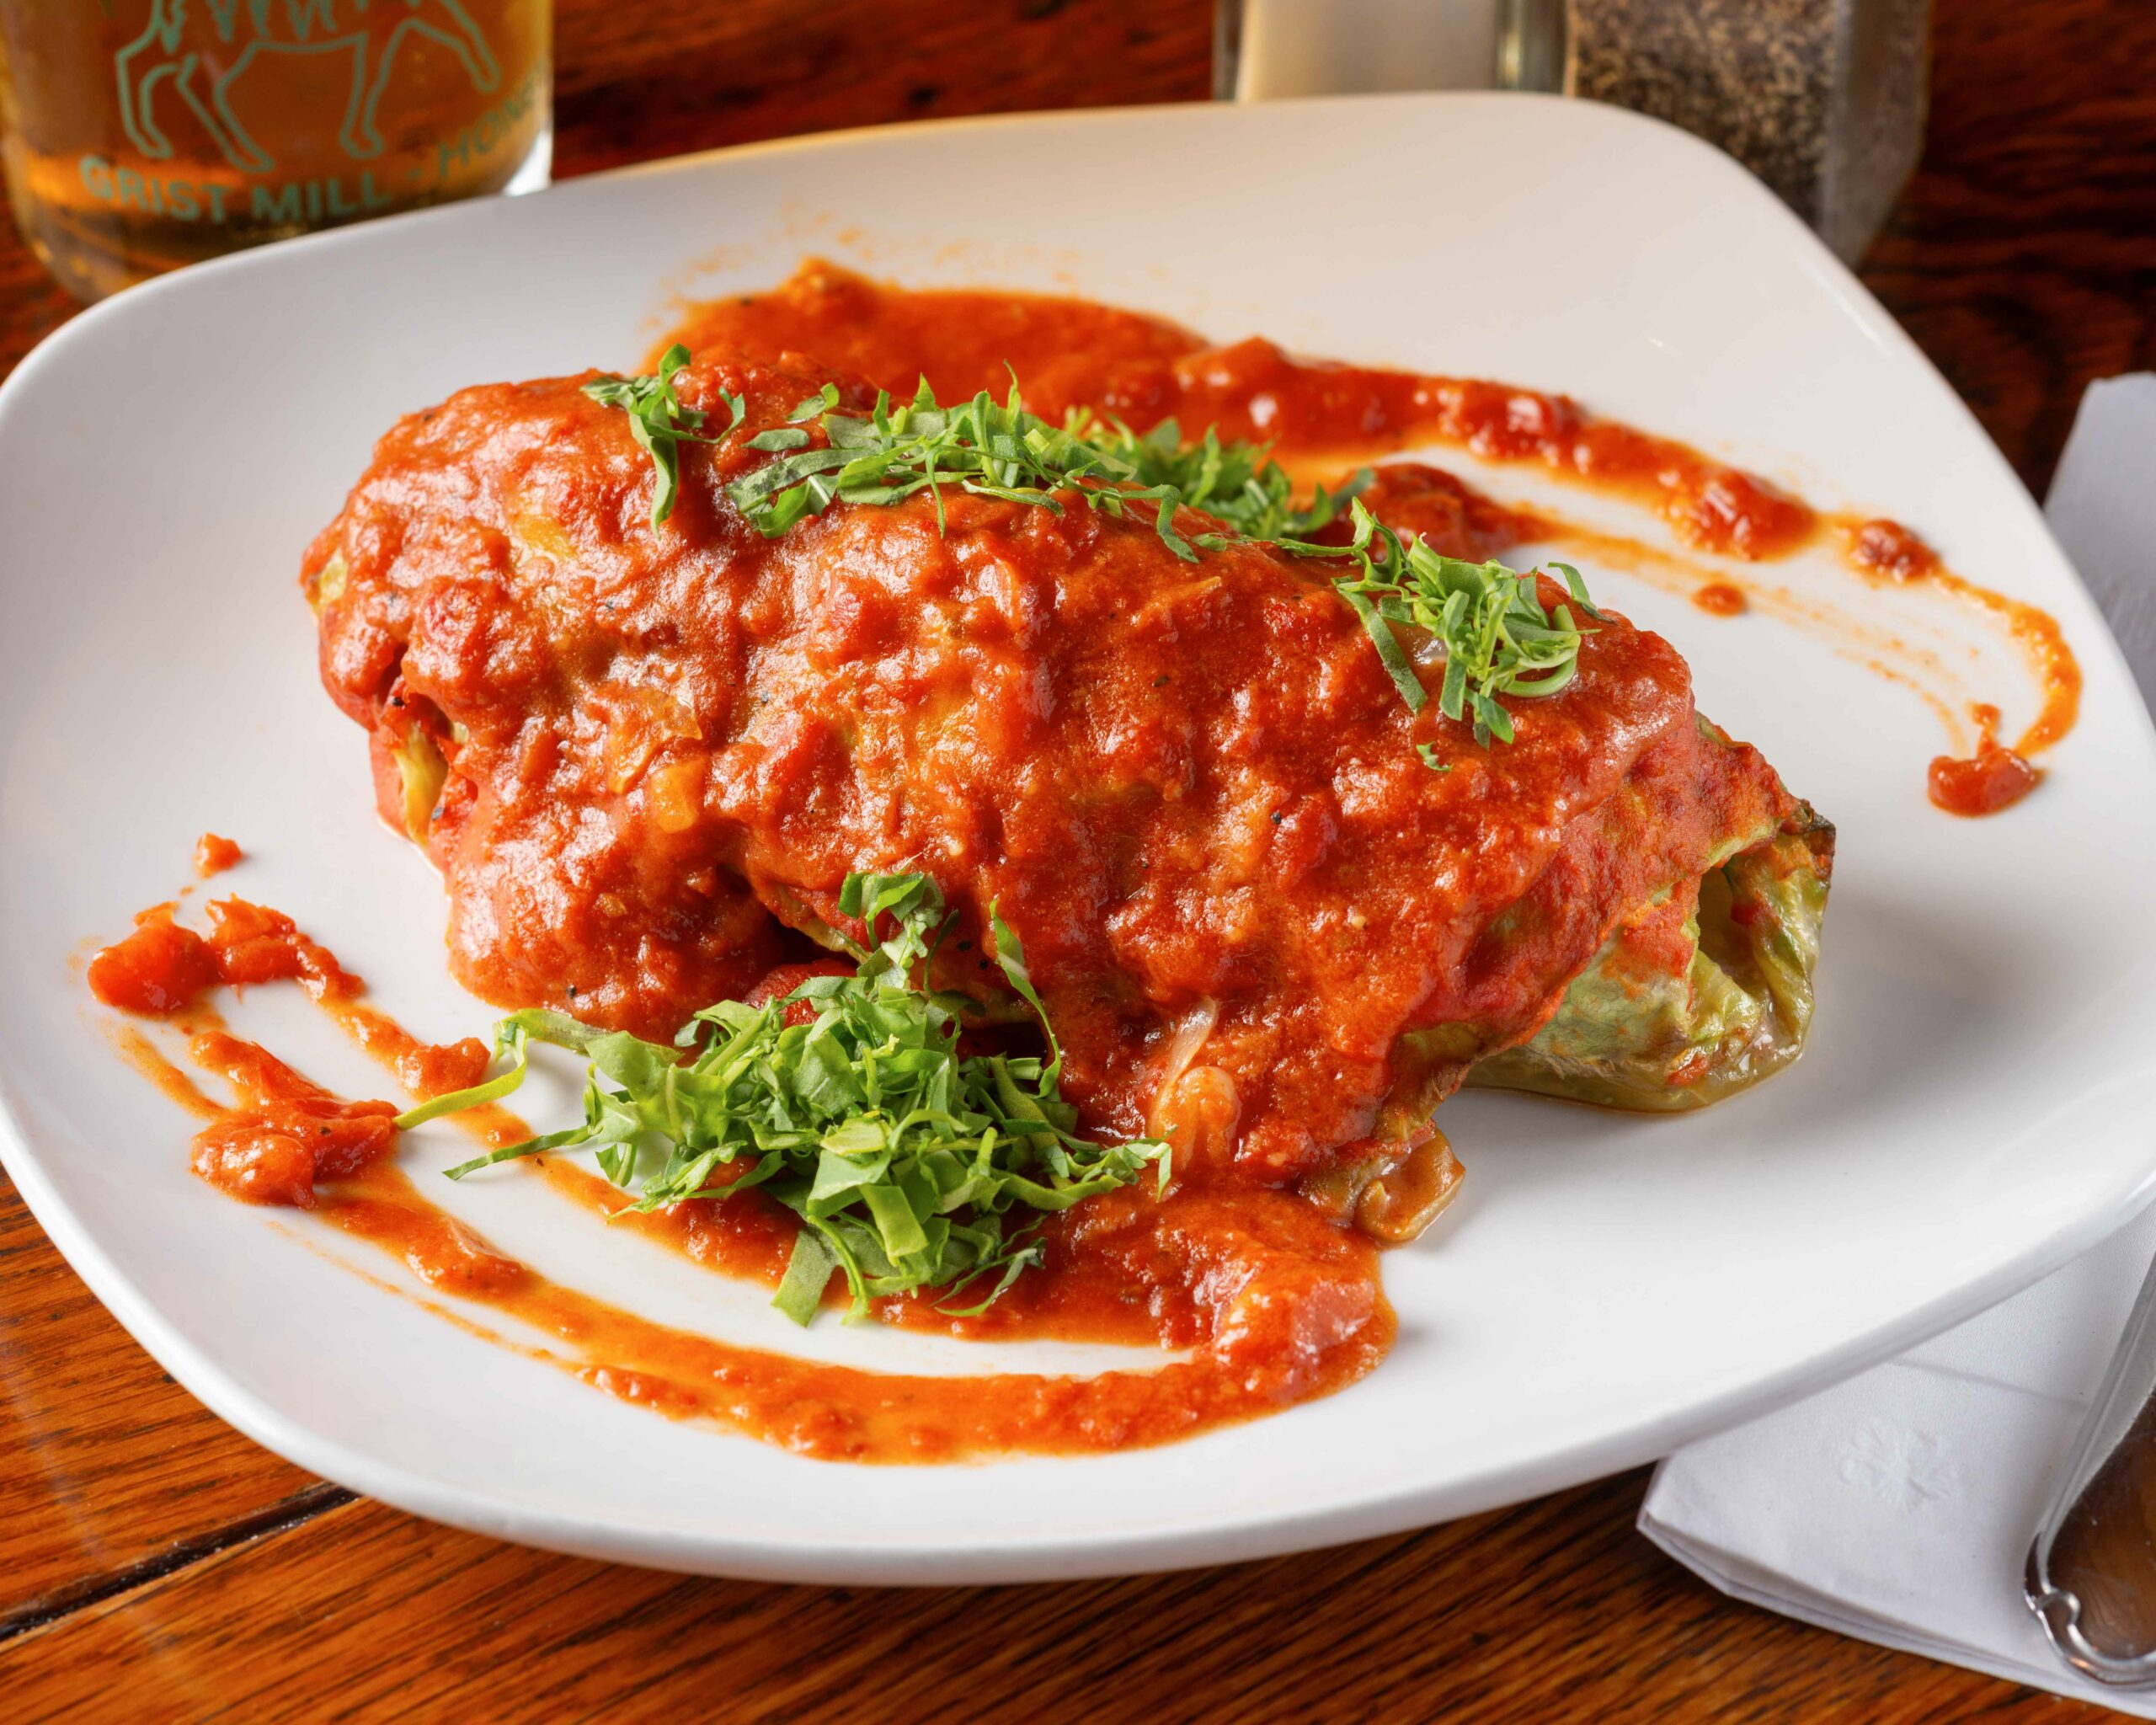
<point>141,134</point>
<point>1825,100</point>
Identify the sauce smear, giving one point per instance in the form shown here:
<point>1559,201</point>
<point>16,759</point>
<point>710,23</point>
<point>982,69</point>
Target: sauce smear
<point>1275,1304</point>
<point>1887,551</point>
<point>1284,1327</point>
<point>164,969</point>
<point>284,1134</point>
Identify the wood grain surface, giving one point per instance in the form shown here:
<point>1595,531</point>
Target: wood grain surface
<point>107,1468</point>
<point>156,1565</point>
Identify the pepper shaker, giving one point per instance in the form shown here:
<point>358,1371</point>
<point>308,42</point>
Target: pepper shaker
<point>1823,99</point>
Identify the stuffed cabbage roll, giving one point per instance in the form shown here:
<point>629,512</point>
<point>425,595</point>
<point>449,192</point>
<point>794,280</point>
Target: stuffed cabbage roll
<point>1273,911</point>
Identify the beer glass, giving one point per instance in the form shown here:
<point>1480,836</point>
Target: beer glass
<point>141,134</point>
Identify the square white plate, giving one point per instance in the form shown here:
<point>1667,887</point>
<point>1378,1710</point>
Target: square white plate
<point>1972,1111</point>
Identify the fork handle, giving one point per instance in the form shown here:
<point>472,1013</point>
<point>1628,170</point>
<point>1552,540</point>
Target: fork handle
<point>2091,1573</point>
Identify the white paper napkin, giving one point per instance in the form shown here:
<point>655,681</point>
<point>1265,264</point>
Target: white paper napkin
<point>2103,509</point>
<point>1898,1507</point>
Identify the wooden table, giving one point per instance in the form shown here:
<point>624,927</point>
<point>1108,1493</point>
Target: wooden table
<point>153,1563</point>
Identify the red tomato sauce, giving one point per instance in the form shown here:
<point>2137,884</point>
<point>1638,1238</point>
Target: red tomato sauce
<point>1993,778</point>
<point>1070,353</point>
<point>1888,552</point>
<point>214,855</point>
<point>164,969</point>
<point>284,1134</point>
<point>1109,1277</point>
<point>1285,1308</point>
<point>280,1133</point>
<point>161,969</point>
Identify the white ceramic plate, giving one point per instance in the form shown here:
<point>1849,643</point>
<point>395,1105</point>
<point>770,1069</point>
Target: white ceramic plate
<point>1970,1113</point>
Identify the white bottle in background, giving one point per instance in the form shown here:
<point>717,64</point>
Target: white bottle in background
<point>1333,47</point>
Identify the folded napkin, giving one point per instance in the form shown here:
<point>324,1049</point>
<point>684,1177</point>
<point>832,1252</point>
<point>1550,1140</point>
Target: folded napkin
<point>1898,1507</point>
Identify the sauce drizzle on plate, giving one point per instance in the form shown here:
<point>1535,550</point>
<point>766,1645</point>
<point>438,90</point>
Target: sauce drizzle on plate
<point>1273,1303</point>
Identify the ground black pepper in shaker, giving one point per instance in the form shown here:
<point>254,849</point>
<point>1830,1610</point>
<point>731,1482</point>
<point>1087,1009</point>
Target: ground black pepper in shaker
<point>1823,99</point>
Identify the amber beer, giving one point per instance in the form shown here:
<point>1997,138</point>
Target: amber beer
<point>141,134</point>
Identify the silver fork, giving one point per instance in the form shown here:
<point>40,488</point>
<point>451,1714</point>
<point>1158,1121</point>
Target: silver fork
<point>2091,1573</point>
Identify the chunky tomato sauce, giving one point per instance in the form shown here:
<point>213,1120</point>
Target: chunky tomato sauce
<point>163,970</point>
<point>1987,781</point>
<point>1124,1269</point>
<point>281,1132</point>
<point>1993,778</point>
<point>284,1133</point>
<point>214,855</point>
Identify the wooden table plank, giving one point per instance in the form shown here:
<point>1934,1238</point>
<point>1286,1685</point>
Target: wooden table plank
<point>737,73</point>
<point>1554,1610</point>
<point>108,1470</point>
<point>149,1556</point>
<point>2023,257</point>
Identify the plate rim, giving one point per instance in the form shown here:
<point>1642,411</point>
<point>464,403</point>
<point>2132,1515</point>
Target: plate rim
<point>1019,1557</point>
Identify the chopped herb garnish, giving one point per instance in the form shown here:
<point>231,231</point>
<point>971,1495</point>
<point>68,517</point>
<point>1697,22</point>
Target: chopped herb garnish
<point>1002,450</point>
<point>1496,636</point>
<point>1236,482</point>
<point>894,451</point>
<point>1499,638</point>
<point>658,422</point>
<point>904,1158</point>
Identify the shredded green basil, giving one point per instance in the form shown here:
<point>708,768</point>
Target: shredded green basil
<point>659,423</point>
<point>907,1162</point>
<point>1499,638</point>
